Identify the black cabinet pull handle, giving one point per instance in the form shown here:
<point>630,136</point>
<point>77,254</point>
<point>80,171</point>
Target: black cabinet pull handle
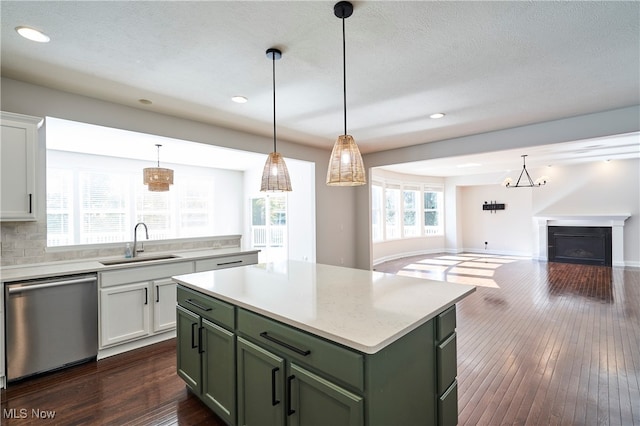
<point>274,401</point>
<point>204,308</point>
<point>193,335</point>
<point>146,296</point>
<point>157,294</point>
<point>229,263</point>
<point>303,352</point>
<point>200,348</point>
<point>30,203</point>
<point>289,380</point>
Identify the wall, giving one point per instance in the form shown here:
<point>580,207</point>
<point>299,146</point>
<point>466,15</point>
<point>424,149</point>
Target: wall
<point>507,231</point>
<point>335,206</point>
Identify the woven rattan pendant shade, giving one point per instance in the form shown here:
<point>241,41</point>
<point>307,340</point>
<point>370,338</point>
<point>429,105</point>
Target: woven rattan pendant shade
<point>275,176</point>
<point>158,179</point>
<point>345,165</point>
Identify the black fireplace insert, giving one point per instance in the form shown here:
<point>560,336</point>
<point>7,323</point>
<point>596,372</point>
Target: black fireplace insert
<point>589,245</point>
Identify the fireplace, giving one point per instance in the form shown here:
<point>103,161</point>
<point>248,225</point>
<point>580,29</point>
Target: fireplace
<point>589,245</point>
<point>613,221</point>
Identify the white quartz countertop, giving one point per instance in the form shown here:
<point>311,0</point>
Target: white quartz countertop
<point>363,310</point>
<point>49,269</point>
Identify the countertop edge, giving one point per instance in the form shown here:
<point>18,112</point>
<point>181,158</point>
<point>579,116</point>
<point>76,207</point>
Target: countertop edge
<point>43,270</point>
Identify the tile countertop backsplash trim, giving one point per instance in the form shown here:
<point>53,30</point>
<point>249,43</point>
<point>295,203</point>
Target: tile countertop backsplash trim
<point>25,243</point>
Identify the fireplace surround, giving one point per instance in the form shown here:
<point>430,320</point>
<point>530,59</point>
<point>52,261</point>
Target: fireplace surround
<point>613,221</point>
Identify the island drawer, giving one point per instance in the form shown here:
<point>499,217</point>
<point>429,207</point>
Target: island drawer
<point>447,363</point>
<point>206,306</point>
<point>339,363</point>
<point>448,406</point>
<point>446,323</point>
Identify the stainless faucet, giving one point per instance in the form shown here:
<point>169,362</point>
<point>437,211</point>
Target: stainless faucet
<point>135,238</point>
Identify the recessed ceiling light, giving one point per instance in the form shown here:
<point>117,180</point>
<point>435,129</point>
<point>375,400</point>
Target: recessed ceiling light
<point>239,99</point>
<point>32,34</point>
<point>437,115</point>
<point>145,101</point>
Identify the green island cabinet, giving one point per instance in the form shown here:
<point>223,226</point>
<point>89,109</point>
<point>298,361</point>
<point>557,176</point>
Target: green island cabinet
<point>252,367</point>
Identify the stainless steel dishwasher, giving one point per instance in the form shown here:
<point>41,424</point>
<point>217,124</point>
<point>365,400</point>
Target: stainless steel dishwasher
<point>50,323</point>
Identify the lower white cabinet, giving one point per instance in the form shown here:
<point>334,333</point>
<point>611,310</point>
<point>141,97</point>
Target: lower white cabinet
<point>140,302</point>
<point>124,311</point>
<point>164,305</point>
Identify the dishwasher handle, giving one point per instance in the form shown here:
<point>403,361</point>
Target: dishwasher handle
<point>23,288</point>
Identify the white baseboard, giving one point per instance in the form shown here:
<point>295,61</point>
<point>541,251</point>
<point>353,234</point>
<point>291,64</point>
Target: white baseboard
<point>406,254</point>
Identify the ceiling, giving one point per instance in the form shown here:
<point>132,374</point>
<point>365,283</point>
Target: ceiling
<point>486,65</point>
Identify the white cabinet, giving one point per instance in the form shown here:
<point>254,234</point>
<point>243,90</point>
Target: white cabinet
<point>164,305</point>
<point>18,161</point>
<point>125,313</point>
<point>136,303</point>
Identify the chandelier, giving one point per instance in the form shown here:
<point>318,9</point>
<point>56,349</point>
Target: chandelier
<point>528,182</point>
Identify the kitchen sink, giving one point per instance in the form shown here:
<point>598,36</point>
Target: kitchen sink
<point>140,259</point>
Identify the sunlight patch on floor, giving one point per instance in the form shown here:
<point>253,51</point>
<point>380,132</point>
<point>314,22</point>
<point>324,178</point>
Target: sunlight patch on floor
<point>471,271</point>
<point>465,279</point>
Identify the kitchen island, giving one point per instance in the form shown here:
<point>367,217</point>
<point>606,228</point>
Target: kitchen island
<point>304,343</point>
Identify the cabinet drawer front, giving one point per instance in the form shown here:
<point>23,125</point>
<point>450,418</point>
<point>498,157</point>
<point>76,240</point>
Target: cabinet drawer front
<point>446,355</point>
<point>339,363</point>
<point>226,262</point>
<point>448,406</point>
<point>207,307</point>
<point>144,273</point>
<point>446,323</point>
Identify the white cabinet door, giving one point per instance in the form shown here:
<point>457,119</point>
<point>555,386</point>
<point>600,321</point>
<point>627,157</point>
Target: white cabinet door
<point>18,148</point>
<point>124,313</point>
<point>164,305</point>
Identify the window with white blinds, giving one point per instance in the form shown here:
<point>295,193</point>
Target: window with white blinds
<point>93,199</point>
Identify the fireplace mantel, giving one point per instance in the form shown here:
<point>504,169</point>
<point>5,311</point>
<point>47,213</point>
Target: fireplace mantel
<point>615,221</point>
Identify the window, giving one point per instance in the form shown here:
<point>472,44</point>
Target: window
<point>432,211</point>
<point>94,199</point>
<point>392,213</point>
<point>405,210</point>
<point>410,212</point>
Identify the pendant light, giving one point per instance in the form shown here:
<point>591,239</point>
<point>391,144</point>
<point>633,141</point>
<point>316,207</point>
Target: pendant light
<point>529,183</point>
<point>158,178</point>
<point>275,176</point>
<point>345,165</point>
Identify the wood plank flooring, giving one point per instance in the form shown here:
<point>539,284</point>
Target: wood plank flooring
<point>542,343</point>
<point>538,344</point>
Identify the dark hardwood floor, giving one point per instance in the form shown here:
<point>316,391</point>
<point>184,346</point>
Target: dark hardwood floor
<point>542,343</point>
<point>538,344</point>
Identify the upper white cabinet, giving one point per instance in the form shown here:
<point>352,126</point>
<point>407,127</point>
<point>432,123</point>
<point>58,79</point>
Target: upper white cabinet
<point>18,160</point>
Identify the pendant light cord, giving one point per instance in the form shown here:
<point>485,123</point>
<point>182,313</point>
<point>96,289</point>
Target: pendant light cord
<point>344,75</point>
<point>273,57</point>
<point>158,145</point>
